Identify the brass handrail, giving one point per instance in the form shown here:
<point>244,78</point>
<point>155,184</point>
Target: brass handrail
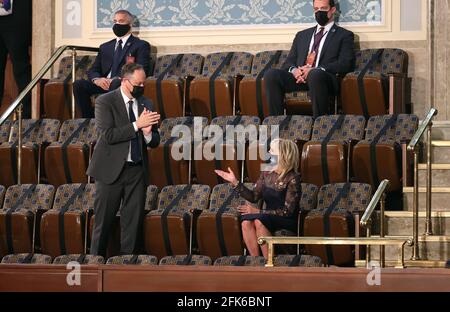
<point>17,104</point>
<point>341,241</point>
<point>426,125</point>
<point>10,110</point>
<point>379,197</point>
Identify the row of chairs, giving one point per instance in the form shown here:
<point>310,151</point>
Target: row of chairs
<point>196,260</point>
<point>338,148</point>
<point>181,219</point>
<point>225,83</point>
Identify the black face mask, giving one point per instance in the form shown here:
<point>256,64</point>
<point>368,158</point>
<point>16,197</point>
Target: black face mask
<point>121,30</point>
<point>322,17</point>
<point>137,91</point>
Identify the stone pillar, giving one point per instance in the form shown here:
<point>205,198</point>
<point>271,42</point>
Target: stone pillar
<point>43,40</point>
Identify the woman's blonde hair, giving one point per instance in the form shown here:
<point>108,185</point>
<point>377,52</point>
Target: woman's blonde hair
<point>288,158</point>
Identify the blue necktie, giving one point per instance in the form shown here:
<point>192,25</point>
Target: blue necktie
<point>135,154</point>
<point>115,69</point>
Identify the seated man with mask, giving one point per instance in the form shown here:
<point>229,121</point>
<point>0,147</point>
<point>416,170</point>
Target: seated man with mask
<point>104,75</point>
<point>317,55</point>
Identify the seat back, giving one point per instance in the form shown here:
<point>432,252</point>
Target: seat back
<point>401,131</point>
<point>30,200</point>
<point>240,261</point>
<point>65,67</point>
<point>297,261</point>
<point>5,131</point>
<point>186,260</point>
<point>24,259</point>
<point>333,217</point>
<point>188,65</point>
<point>87,135</point>
<point>44,132</point>
<point>241,63</point>
<point>391,61</point>
<point>133,260</point>
<point>352,128</point>
<point>151,199</point>
<point>86,259</point>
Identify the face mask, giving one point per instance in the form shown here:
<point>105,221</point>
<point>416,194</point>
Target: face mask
<point>137,92</point>
<point>322,17</point>
<point>121,30</point>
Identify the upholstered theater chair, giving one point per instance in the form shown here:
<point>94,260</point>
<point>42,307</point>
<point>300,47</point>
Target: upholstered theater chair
<point>2,194</point>
<point>334,216</point>
<point>20,215</point>
<point>164,169</point>
<point>383,153</point>
<point>215,92</point>
<point>27,259</point>
<point>252,92</point>
<point>297,261</point>
<point>80,258</point>
<point>58,90</point>
<point>186,260</point>
<point>325,159</point>
<point>295,128</point>
<point>64,227</point>
<point>113,248</point>
<point>241,261</point>
<point>5,131</point>
<point>379,84</point>
<point>37,135</point>
<point>219,231</point>
<point>133,260</point>
<point>67,160</point>
<point>169,85</point>
<point>170,230</point>
<point>233,150</point>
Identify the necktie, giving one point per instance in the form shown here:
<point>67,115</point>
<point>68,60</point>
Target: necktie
<point>115,70</point>
<point>135,155</point>
<point>317,39</point>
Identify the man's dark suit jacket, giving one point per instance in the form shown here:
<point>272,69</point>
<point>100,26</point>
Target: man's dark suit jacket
<point>135,47</point>
<point>115,132</point>
<point>338,52</point>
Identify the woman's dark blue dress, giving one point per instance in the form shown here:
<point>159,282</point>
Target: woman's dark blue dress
<point>281,198</point>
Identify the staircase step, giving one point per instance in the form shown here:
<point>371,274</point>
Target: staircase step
<point>435,249</point>
<point>440,154</point>
<point>440,175</point>
<point>400,223</point>
<point>440,198</point>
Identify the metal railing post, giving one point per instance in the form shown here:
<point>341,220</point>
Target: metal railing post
<point>19,146</point>
<point>428,222</point>
<point>74,73</point>
<point>415,255</point>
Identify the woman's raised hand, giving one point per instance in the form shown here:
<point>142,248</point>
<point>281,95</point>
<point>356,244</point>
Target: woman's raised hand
<point>227,176</point>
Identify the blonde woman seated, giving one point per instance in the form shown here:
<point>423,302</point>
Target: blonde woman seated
<point>280,188</point>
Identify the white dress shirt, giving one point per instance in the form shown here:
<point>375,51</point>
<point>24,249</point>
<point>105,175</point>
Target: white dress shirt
<point>124,41</point>
<point>326,31</point>
<point>126,99</point>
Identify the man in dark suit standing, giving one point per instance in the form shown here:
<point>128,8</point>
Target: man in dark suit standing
<point>104,74</point>
<point>15,40</point>
<point>316,56</point>
<point>126,127</point>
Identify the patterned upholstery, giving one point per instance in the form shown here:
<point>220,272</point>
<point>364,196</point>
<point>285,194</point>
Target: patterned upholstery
<point>308,201</point>
<point>392,61</point>
<point>246,121</point>
<point>352,128</point>
<point>299,128</point>
<point>19,258</point>
<point>233,260</point>
<point>65,68</point>
<point>40,199</point>
<point>196,198</point>
<point>83,202</point>
<point>261,59</point>
<point>141,260</point>
<point>151,198</point>
<point>220,193</point>
<point>46,132</point>
<point>241,63</point>
<point>356,200</point>
<point>402,131</point>
<point>180,259</point>
<point>5,130</point>
<point>305,261</point>
<point>88,259</point>
<point>190,64</point>
<point>87,135</point>
<point>168,124</point>
<point>2,194</point>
